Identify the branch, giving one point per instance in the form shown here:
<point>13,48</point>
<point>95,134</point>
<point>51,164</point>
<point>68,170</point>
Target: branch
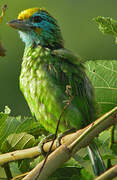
<point>80,139</point>
<point>17,155</point>
<point>103,123</point>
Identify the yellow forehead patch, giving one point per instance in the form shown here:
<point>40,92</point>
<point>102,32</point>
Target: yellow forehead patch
<point>28,13</point>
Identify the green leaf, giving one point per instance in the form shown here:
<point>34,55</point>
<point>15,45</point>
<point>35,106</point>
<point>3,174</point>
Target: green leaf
<point>31,126</point>
<point>3,118</point>
<point>114,148</point>
<point>24,165</point>
<point>65,173</point>
<point>14,168</point>
<point>36,161</point>
<point>85,175</point>
<point>103,75</point>
<point>72,163</point>
<point>71,173</point>
<point>10,125</point>
<point>107,25</point>
<point>103,144</point>
<point>17,141</point>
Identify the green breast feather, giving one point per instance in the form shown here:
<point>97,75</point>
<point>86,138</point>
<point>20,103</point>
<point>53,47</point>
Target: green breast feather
<point>45,77</point>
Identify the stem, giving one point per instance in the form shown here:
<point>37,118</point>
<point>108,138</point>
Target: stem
<point>111,142</point>
<point>7,171</point>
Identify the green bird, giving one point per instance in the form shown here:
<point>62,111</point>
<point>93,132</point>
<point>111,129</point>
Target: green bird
<point>52,76</point>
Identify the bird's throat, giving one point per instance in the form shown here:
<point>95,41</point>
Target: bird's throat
<point>29,38</point>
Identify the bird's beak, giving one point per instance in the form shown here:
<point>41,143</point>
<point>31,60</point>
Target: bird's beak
<point>19,24</point>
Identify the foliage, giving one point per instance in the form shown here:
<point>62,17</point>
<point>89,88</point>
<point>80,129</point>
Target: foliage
<point>17,133</point>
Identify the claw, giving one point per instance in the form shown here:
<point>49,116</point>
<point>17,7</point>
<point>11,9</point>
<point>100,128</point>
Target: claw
<point>42,142</point>
<point>61,135</point>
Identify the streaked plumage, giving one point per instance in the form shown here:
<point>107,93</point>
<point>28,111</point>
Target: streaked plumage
<point>52,75</point>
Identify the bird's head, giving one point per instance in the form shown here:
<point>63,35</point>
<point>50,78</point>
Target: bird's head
<point>37,27</point>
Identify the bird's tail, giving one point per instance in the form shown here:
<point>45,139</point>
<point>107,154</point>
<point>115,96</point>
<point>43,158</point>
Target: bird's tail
<point>96,160</point>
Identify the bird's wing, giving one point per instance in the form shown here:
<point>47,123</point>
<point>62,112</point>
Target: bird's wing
<point>81,87</point>
<point>68,55</point>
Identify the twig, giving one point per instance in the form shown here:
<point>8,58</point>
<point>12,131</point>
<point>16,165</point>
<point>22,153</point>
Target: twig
<point>111,142</point>
<point>3,12</point>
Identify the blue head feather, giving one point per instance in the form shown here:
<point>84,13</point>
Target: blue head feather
<point>43,31</point>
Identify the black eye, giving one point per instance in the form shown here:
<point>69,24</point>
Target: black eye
<point>36,19</point>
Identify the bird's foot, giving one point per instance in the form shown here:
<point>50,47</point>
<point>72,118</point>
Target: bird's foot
<point>61,135</point>
<point>42,142</point>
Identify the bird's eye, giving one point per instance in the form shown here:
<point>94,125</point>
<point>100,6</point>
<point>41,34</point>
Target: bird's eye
<point>36,19</point>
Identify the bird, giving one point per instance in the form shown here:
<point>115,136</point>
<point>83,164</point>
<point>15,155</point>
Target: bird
<point>53,77</point>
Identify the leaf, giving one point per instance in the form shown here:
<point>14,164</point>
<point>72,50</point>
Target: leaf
<point>36,161</point>
<point>17,141</point>
<point>103,144</point>
<point>103,75</point>
<point>24,165</point>
<point>114,148</point>
<point>3,118</point>
<point>86,175</point>
<point>72,163</point>
<point>10,125</point>
<point>107,25</point>
<point>71,173</point>
<point>31,126</point>
<point>65,173</point>
<point>14,168</point>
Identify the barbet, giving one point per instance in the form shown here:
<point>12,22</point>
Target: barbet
<point>52,76</point>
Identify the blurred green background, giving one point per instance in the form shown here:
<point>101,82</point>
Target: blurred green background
<point>80,33</point>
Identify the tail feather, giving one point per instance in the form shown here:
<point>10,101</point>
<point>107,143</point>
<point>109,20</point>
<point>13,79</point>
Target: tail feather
<point>96,160</point>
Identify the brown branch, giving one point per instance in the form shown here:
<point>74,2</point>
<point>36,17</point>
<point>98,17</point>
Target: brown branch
<point>73,143</point>
<point>33,152</point>
<point>62,154</point>
<point>17,155</point>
